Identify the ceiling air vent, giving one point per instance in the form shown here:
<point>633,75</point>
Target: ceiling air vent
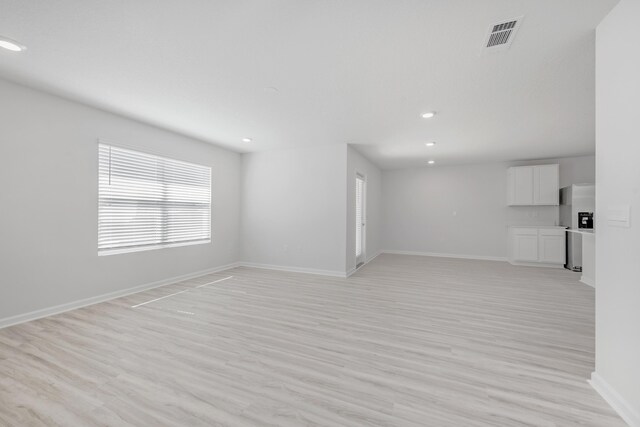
<point>500,36</point>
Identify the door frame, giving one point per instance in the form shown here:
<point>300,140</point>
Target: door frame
<point>361,260</point>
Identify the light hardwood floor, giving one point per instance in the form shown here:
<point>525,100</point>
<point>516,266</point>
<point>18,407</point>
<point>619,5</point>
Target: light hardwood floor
<point>406,341</point>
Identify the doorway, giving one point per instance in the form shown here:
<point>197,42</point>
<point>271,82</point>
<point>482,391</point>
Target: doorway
<point>360,220</point>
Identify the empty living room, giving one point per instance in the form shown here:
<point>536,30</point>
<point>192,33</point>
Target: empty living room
<point>320,213</point>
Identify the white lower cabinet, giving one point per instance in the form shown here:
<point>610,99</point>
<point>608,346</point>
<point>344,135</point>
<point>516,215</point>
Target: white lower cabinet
<point>544,246</point>
<point>525,244</point>
<point>551,246</point>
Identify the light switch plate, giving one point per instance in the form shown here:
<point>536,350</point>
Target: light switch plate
<point>618,216</point>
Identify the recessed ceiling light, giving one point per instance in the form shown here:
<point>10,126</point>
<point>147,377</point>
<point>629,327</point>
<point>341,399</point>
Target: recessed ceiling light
<point>11,45</point>
<point>430,144</point>
<point>247,139</point>
<point>431,162</point>
<point>428,115</point>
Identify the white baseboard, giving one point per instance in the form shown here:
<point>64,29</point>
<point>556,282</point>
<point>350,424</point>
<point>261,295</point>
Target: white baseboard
<point>617,402</point>
<point>331,273</point>
<point>536,264</point>
<point>367,261</point>
<point>587,281</point>
<point>444,255</point>
<point>50,311</point>
<point>372,257</point>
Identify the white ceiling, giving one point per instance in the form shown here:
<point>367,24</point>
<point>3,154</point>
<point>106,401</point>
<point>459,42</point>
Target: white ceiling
<point>355,71</point>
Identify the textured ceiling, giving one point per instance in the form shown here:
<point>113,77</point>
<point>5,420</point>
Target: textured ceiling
<point>354,71</point>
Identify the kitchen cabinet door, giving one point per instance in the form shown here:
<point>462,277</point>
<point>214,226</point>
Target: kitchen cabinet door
<point>552,244</point>
<point>524,245</point>
<point>520,186</point>
<point>546,188</point>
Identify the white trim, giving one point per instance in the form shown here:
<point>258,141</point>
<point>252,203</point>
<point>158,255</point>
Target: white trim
<point>50,311</point>
<point>365,221</point>
<point>331,273</point>
<point>117,251</point>
<point>373,257</point>
<point>587,281</point>
<point>367,261</point>
<point>443,255</point>
<point>536,264</point>
<point>58,309</point>
<point>615,400</point>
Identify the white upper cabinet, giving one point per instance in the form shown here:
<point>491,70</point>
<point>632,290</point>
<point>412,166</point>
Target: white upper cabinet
<point>546,185</point>
<point>521,186</point>
<point>533,185</point>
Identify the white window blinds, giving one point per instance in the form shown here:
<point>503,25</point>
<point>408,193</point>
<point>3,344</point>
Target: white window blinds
<point>148,202</point>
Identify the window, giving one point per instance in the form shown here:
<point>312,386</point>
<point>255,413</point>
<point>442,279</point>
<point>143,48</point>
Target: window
<point>149,202</point>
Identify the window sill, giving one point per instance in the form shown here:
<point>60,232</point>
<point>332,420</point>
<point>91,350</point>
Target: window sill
<point>116,251</point>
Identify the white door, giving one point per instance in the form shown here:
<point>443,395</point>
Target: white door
<point>360,220</point>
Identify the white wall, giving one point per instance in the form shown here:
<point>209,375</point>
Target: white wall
<point>294,204</point>
<point>450,210</point>
<point>462,210</point>
<point>618,183</point>
<point>356,163</point>
<point>299,208</point>
<point>48,203</point>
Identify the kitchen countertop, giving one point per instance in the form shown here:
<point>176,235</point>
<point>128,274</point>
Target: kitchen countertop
<point>538,226</point>
<point>586,231</point>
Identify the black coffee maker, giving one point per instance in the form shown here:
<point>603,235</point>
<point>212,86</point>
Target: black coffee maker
<point>585,219</point>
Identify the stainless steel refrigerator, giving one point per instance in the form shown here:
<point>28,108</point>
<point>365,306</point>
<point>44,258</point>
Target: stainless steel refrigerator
<point>573,200</point>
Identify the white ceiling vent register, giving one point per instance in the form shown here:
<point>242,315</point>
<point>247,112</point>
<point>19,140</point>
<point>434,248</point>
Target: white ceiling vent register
<point>501,35</point>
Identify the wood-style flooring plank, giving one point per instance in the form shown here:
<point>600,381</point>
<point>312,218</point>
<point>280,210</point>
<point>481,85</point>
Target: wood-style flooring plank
<point>406,341</point>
